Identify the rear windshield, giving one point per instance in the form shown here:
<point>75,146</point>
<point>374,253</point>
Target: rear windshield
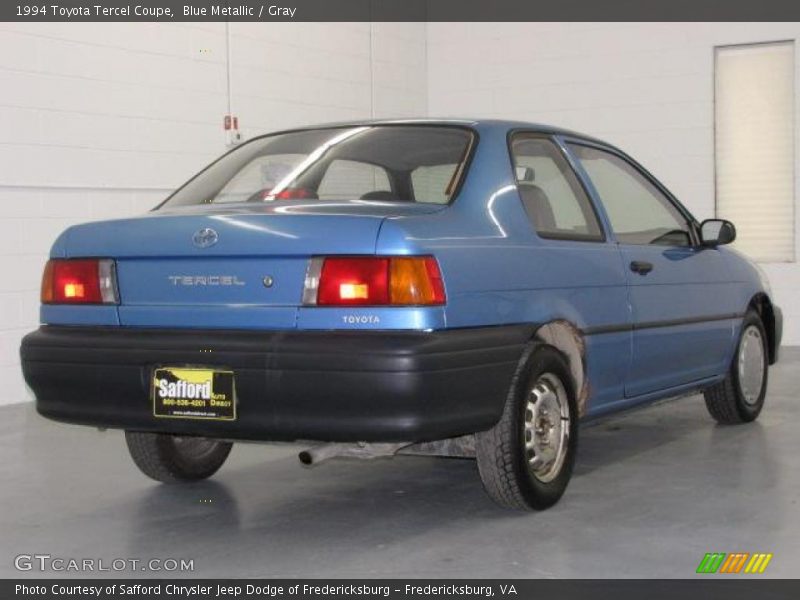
<point>389,163</point>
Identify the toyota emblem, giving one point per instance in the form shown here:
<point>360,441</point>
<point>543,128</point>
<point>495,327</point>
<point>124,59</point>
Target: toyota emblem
<point>205,238</point>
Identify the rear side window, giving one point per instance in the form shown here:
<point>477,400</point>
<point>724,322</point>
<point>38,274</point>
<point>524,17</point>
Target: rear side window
<point>554,200</point>
<point>386,163</point>
<point>638,211</point>
<point>434,182</point>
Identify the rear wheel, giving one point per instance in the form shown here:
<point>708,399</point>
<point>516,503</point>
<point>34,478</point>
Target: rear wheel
<point>739,397</point>
<point>171,458</point>
<point>525,461</point>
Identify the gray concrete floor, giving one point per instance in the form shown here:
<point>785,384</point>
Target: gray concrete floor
<point>653,491</point>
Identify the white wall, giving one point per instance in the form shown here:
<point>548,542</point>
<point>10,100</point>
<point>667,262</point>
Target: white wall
<point>646,87</point>
<point>102,120</point>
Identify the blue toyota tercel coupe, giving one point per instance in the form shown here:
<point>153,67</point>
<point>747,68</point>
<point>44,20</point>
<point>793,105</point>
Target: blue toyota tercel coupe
<point>451,287</point>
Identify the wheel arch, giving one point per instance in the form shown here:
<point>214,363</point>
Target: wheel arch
<point>565,337</point>
<point>762,304</point>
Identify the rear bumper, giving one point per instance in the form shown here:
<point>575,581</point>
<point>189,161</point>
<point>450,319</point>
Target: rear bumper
<point>291,385</point>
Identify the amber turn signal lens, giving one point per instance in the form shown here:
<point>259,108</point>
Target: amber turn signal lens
<point>48,293</point>
<point>415,280</point>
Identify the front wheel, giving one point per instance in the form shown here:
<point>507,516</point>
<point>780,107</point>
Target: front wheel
<point>739,397</point>
<point>525,461</point>
<point>171,458</point>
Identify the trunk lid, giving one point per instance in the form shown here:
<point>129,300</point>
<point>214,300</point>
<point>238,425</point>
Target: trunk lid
<point>236,266</point>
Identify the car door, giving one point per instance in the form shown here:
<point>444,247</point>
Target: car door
<point>573,270</point>
<point>680,293</point>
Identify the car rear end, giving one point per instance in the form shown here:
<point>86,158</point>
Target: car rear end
<point>253,305</point>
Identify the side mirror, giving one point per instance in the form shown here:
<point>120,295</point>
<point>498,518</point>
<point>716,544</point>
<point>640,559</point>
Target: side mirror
<point>716,232</point>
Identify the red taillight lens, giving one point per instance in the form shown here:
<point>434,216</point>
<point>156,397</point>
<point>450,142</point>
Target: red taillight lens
<point>296,194</point>
<point>374,281</point>
<point>81,281</point>
<point>346,281</point>
<point>289,194</point>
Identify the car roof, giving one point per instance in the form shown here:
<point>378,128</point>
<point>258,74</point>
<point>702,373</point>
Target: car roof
<point>500,124</point>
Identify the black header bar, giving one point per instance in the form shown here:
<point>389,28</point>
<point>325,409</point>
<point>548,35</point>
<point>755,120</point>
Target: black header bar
<point>399,10</point>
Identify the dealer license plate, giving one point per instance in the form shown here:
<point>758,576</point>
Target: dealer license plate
<point>193,393</point>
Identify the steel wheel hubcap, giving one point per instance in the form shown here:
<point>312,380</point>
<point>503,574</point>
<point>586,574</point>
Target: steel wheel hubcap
<point>546,427</point>
<point>194,447</point>
<point>751,364</point>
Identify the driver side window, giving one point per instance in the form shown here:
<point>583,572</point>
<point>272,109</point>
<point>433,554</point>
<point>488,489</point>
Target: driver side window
<point>637,210</point>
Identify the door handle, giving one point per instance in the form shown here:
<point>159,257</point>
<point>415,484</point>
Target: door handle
<point>641,267</point>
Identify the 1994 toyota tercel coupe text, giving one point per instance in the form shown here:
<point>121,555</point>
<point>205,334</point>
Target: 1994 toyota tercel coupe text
<point>468,288</point>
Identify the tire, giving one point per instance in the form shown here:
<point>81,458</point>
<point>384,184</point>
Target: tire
<point>516,475</point>
<point>739,397</point>
<point>172,459</point>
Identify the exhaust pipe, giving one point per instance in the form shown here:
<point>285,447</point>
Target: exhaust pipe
<point>458,447</point>
<point>364,450</point>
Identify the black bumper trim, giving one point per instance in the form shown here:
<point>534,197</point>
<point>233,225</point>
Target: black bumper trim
<point>310,385</point>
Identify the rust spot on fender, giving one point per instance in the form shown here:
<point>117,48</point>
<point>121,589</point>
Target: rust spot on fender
<point>564,336</point>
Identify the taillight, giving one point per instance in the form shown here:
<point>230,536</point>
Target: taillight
<point>296,194</point>
<point>374,281</point>
<point>79,281</point>
<point>354,281</point>
<point>289,194</point>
